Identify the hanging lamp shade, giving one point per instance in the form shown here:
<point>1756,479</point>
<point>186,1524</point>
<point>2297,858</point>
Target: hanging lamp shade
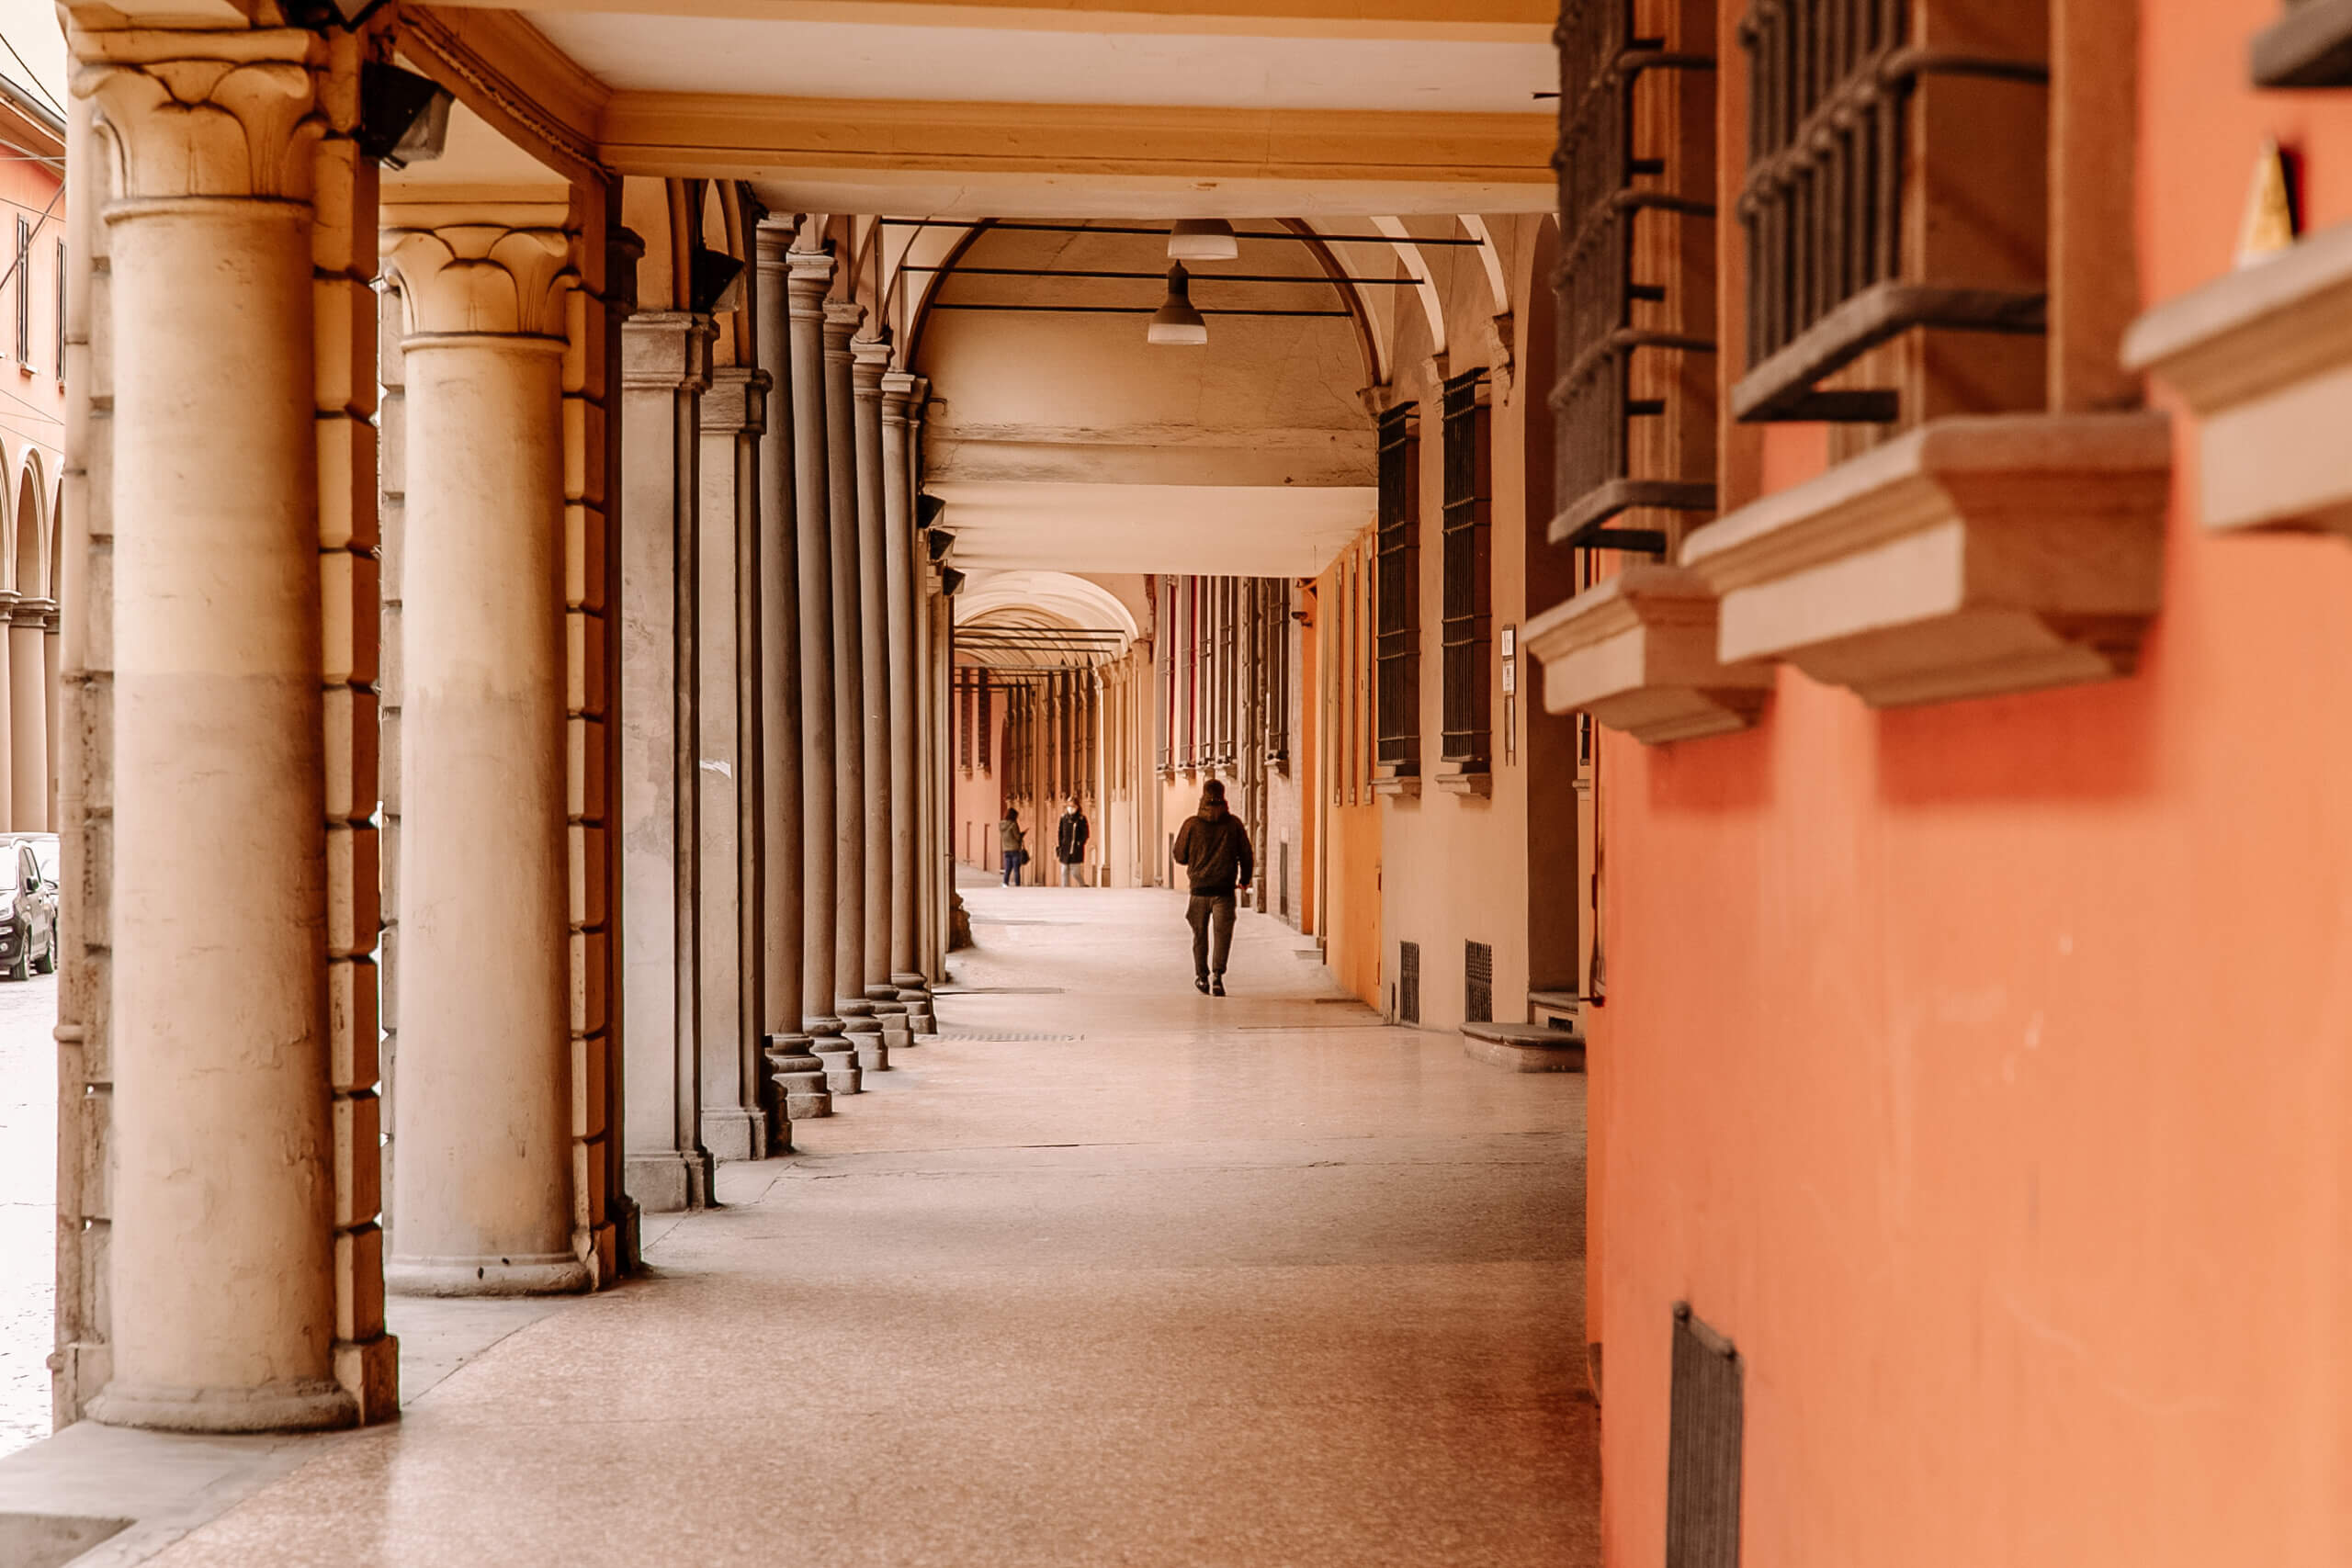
<point>1176,321</point>
<point>1202,239</point>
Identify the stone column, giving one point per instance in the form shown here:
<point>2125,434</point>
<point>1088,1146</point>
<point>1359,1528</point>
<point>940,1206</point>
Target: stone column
<point>811,275</point>
<point>220,1263</point>
<point>8,607</point>
<point>665,365</point>
<point>869,360</point>
<point>29,714</point>
<point>799,1077</point>
<point>482,1191</point>
<point>850,976</point>
<point>734,1067</point>
<point>52,689</point>
<point>906,715</point>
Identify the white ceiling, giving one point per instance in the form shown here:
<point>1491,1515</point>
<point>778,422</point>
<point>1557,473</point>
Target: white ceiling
<point>834,59</point>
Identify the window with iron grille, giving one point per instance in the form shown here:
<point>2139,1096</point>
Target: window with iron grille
<point>1703,1447</point>
<point>1190,755</point>
<point>1229,741</point>
<point>963,723</point>
<point>61,310</point>
<point>1468,628</point>
<point>1275,641</point>
<point>986,720</point>
<point>2311,46</point>
<point>1634,403</point>
<point>1397,703</point>
<point>1165,652</point>
<point>1478,982</point>
<point>1408,982</point>
<point>1875,202</point>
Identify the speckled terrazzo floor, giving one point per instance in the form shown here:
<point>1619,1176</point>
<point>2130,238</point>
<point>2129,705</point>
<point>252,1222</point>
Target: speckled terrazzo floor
<point>1233,1282</point>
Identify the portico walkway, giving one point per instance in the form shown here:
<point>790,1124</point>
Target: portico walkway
<point>1124,1275</point>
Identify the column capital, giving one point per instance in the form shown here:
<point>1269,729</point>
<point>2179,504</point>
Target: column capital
<point>666,348</point>
<point>737,402</point>
<point>480,269</point>
<point>869,358</point>
<point>842,317</point>
<point>812,276</point>
<point>771,243</point>
<point>227,114</point>
<point>897,387</point>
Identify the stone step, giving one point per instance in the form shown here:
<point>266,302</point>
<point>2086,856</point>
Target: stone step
<point>1524,1047</point>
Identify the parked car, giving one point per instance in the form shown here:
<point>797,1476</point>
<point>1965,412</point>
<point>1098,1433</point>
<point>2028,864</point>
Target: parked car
<point>28,905</point>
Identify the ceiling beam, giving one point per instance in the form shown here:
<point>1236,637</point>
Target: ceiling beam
<point>715,135</point>
<point>1469,21</point>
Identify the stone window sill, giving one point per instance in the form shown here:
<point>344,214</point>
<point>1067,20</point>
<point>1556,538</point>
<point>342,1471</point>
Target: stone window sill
<point>1638,653</point>
<point>1974,556</point>
<point>1479,782</point>
<point>2265,358</point>
<point>1408,785</point>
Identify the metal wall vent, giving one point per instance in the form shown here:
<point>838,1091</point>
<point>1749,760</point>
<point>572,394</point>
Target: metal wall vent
<point>1408,982</point>
<point>1478,982</point>
<point>1281,882</point>
<point>1702,1448</point>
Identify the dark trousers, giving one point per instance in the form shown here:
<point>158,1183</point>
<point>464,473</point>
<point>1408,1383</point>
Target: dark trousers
<point>1013,868</point>
<point>1211,917</point>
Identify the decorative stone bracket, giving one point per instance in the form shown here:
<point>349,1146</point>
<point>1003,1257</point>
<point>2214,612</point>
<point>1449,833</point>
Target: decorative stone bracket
<point>1638,653</point>
<point>2264,356</point>
<point>1975,556</point>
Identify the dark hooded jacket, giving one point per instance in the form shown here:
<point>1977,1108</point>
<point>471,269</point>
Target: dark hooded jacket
<point>1215,848</point>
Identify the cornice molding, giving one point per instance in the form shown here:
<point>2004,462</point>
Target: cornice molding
<point>1637,651</point>
<point>503,68</point>
<point>1455,21</point>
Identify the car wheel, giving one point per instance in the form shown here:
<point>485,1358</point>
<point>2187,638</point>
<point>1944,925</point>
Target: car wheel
<point>20,967</point>
<point>47,962</point>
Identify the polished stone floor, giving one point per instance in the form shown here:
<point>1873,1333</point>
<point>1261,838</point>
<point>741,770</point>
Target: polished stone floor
<point>1110,1273</point>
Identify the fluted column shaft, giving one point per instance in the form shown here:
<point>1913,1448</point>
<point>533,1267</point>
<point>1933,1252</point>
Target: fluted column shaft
<point>482,1113</point>
<point>665,365</point>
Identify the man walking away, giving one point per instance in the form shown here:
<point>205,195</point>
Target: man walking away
<point>1070,845</point>
<point>1010,838</point>
<point>1214,848</point>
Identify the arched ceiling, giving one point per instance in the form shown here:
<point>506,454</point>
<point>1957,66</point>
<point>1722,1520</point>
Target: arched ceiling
<point>1013,620</point>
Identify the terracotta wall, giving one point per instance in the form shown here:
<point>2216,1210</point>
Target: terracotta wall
<point>979,802</point>
<point>1980,1069</point>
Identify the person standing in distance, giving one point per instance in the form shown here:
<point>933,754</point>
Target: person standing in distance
<point>1010,838</point>
<point>1213,850</point>
<point>1069,844</point>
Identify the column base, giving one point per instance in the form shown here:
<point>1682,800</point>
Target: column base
<point>799,1075</point>
<point>865,1036</point>
<point>735,1133</point>
<point>296,1407</point>
<point>832,1048</point>
<point>541,1274</point>
<point>670,1181</point>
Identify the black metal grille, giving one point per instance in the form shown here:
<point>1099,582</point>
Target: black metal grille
<point>1478,982</point>
<point>1397,704</point>
<point>986,719</point>
<point>1607,315</point>
<point>1469,573</point>
<point>1282,863</point>
<point>1274,643</point>
<point>1408,982</point>
<point>1823,204</point>
<point>1702,1448</point>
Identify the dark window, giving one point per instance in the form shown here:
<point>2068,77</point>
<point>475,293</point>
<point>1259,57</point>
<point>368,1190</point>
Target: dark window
<point>1859,114</point>
<point>1408,982</point>
<point>2309,47</point>
<point>61,310</point>
<point>986,720</point>
<point>1166,654</point>
<point>1468,627</point>
<point>1275,641</point>
<point>963,723</point>
<point>1702,1448</point>
<point>1228,669</point>
<point>1636,278</point>
<point>1397,703</point>
<point>25,292</point>
<point>1478,982</point>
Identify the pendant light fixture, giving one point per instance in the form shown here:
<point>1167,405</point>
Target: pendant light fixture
<point>1176,321</point>
<point>1202,239</point>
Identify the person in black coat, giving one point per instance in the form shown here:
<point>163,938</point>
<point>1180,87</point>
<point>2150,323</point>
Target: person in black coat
<point>1070,845</point>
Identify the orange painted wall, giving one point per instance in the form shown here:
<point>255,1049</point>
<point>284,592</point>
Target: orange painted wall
<point>1982,1070</point>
